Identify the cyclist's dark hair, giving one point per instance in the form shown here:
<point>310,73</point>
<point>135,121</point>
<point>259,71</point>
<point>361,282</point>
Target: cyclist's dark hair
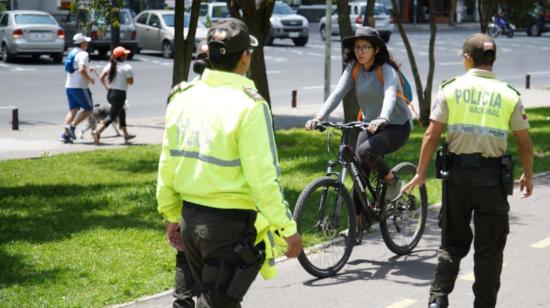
<point>383,56</point>
<point>223,62</point>
<point>112,71</point>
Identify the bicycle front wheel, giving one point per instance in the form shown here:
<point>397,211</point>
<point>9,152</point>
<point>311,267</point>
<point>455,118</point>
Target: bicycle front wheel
<point>326,221</point>
<point>402,221</point>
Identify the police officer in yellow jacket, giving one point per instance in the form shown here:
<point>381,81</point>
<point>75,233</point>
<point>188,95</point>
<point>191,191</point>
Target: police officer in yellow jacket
<point>478,111</point>
<point>219,170</point>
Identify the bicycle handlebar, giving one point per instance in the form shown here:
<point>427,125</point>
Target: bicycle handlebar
<point>343,126</point>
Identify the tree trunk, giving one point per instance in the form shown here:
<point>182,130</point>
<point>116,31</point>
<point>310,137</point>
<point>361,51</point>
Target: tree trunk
<point>425,106</point>
<point>351,108</point>
<point>256,15</point>
<point>177,72</point>
<point>189,41</point>
<point>452,12</point>
<point>485,9</point>
<point>423,96</point>
<point>115,24</point>
<point>368,19</point>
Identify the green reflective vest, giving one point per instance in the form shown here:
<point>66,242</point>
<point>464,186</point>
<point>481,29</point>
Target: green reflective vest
<point>479,105</point>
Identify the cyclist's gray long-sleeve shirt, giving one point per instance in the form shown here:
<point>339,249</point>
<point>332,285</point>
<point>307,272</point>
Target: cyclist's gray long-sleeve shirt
<point>374,98</point>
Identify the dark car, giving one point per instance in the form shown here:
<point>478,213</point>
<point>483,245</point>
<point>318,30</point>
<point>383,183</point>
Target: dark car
<point>535,23</point>
<point>101,35</point>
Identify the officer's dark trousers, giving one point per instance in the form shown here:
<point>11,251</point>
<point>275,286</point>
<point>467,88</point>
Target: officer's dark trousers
<point>209,240</point>
<point>185,289</point>
<point>477,190</point>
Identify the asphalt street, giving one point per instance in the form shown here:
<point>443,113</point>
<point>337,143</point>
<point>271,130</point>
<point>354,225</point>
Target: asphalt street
<point>37,87</point>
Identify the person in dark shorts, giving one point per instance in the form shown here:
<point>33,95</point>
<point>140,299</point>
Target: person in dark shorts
<point>116,76</point>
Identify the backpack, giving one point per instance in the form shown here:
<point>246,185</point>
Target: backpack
<point>69,61</point>
<point>406,95</point>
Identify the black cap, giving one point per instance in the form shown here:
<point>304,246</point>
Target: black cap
<point>230,35</point>
<point>366,33</point>
<point>478,45</point>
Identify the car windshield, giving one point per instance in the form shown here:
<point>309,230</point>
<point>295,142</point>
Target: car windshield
<point>378,10</point>
<point>282,9</point>
<point>125,18</point>
<point>34,19</point>
<point>169,20</point>
<point>220,11</point>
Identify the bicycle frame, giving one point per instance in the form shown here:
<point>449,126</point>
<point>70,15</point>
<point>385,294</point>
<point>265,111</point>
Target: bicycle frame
<point>350,163</point>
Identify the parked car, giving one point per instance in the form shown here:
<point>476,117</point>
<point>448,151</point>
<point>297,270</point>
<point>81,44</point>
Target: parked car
<point>101,35</point>
<point>30,33</point>
<point>212,11</point>
<point>383,21</point>
<point>287,24</point>
<point>155,30</point>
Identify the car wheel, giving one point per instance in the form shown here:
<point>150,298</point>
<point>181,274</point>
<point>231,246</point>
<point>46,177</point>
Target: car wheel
<point>102,53</point>
<point>301,41</point>
<point>131,55</point>
<point>535,30</point>
<point>269,40</point>
<point>58,57</point>
<point>323,33</point>
<point>6,55</point>
<point>167,50</point>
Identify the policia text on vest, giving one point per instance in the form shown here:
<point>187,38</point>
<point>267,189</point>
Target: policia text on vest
<point>478,111</point>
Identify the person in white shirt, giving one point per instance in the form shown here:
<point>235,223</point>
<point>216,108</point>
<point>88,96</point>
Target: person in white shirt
<point>77,87</point>
<point>115,77</point>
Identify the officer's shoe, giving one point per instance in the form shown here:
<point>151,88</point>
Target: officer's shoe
<point>440,302</point>
<point>393,188</point>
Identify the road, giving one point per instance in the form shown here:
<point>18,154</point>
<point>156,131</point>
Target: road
<point>37,87</point>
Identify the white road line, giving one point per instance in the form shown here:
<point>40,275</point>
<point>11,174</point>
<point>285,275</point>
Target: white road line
<point>450,63</point>
<point>296,52</point>
<point>471,277</point>
<point>273,72</point>
<point>142,59</point>
<point>156,61</point>
<point>166,63</point>
<point>542,244</point>
<point>314,54</point>
<point>422,53</point>
<point>316,87</point>
<point>20,69</point>
<point>403,303</point>
<point>4,65</point>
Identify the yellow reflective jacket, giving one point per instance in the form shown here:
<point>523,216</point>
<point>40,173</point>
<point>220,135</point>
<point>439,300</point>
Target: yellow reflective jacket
<point>219,151</point>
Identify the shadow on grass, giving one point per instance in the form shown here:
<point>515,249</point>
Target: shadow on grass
<point>43,213</point>
<point>15,271</point>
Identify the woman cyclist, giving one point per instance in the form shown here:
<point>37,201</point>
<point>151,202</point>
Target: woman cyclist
<point>389,117</point>
<point>115,77</point>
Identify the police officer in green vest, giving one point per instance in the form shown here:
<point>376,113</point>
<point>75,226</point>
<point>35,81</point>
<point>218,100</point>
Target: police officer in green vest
<point>219,173</point>
<point>478,111</point>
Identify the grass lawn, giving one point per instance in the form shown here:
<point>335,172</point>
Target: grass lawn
<point>82,229</point>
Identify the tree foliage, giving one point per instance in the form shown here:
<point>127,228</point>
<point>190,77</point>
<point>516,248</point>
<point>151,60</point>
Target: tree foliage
<point>2,6</point>
<point>424,95</point>
<point>106,17</point>
<point>255,15</point>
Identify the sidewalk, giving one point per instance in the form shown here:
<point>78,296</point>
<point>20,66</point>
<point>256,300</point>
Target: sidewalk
<point>34,141</point>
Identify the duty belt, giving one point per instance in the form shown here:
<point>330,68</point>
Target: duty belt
<point>245,216</point>
<point>474,161</point>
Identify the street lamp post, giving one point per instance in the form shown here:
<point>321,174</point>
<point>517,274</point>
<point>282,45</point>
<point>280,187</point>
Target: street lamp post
<point>328,47</point>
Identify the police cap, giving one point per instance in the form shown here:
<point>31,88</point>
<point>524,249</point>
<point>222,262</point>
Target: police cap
<point>479,46</point>
<point>230,35</point>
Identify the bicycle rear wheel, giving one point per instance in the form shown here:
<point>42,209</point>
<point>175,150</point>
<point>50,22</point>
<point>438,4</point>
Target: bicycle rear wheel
<point>326,221</point>
<point>402,221</point>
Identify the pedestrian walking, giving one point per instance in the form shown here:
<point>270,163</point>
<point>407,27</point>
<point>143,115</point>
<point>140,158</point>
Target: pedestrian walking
<point>376,80</point>
<point>219,173</point>
<point>77,84</point>
<point>115,77</point>
<point>478,111</point>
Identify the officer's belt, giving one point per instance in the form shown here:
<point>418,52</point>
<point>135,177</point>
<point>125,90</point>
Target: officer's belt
<point>474,161</point>
<point>233,214</point>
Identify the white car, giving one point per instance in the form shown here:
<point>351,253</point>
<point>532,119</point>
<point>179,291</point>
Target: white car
<point>212,11</point>
<point>286,24</point>
<point>383,21</point>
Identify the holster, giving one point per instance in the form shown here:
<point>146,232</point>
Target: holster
<point>508,163</point>
<point>442,163</point>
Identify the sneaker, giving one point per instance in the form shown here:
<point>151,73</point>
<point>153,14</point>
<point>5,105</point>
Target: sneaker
<point>65,139</point>
<point>128,138</point>
<point>393,188</point>
<point>95,136</point>
<point>70,131</point>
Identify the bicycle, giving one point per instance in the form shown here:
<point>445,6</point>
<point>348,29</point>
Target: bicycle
<point>325,213</point>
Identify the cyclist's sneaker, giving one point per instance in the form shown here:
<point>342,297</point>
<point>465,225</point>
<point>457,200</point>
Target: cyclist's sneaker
<point>70,131</point>
<point>65,139</point>
<point>393,188</point>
